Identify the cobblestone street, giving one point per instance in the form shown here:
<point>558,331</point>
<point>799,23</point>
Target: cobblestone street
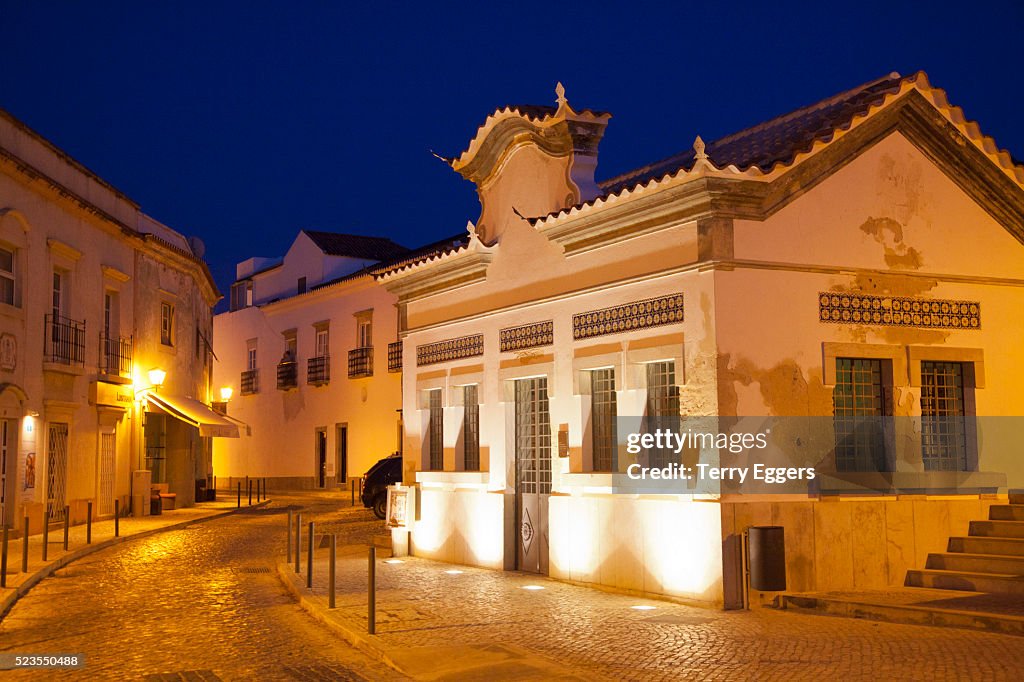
<point>204,602</point>
<point>203,599</point>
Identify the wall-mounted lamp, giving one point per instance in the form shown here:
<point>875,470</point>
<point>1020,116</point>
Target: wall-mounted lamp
<point>156,380</point>
<point>225,393</point>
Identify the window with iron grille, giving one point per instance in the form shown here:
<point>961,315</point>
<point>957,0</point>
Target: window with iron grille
<point>943,427</point>
<point>6,275</point>
<point>662,401</point>
<point>533,436</point>
<point>860,401</point>
<point>602,420</point>
<point>395,356</point>
<point>436,431</point>
<point>471,428</point>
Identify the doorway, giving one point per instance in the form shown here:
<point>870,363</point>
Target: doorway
<point>108,457</point>
<point>56,470</point>
<point>533,473</point>
<point>341,453</point>
<point>8,457</point>
<point>321,458</point>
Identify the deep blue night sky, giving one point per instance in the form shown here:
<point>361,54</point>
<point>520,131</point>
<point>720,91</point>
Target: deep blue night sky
<point>244,123</point>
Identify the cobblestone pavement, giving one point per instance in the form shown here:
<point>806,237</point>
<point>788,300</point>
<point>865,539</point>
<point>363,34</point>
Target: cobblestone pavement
<point>202,600</point>
<point>424,610</point>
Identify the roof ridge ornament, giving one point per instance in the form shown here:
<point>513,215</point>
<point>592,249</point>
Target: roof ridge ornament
<point>560,92</point>
<point>698,148</point>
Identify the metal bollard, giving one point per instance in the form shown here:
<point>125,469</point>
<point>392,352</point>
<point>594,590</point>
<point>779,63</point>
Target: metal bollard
<point>298,534</point>
<point>46,533</point>
<point>257,490</point>
<point>309,558</point>
<point>239,494</point>
<point>67,525</point>
<point>250,493</point>
<point>117,518</point>
<point>353,486</point>
<point>371,588</point>
<point>330,571</point>
<point>88,524</point>
<point>288,554</point>
<point>3,559</point>
<point>264,490</point>
<point>24,548</point>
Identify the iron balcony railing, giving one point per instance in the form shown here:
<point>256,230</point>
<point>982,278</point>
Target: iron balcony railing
<point>360,362</point>
<point>250,381</point>
<point>395,356</point>
<point>318,370</point>
<point>115,355</point>
<point>287,375</point>
<point>64,340</point>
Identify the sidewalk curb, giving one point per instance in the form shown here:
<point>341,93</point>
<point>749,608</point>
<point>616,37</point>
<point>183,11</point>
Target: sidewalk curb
<point>359,640</point>
<point>54,566</point>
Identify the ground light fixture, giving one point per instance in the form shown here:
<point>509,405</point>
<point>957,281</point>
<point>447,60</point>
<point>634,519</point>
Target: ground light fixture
<point>393,561</point>
<point>643,607</point>
<point>454,571</point>
<point>532,587</point>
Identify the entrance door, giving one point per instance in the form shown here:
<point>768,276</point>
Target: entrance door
<point>56,470</point>
<point>341,431</point>
<point>106,469</point>
<point>533,473</point>
<point>321,458</point>
<point>8,456</point>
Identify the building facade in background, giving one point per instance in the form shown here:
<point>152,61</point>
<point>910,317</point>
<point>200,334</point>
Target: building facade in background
<point>862,257</point>
<point>308,351</point>
<point>94,296</point>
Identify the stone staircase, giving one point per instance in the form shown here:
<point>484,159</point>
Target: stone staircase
<point>989,559</point>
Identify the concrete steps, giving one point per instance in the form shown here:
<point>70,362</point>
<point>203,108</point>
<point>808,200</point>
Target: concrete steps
<point>976,563</point>
<point>997,529</point>
<point>1005,546</point>
<point>938,579</point>
<point>1006,512</point>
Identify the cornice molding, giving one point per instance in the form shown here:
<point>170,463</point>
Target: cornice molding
<point>63,250</point>
<point>114,274</point>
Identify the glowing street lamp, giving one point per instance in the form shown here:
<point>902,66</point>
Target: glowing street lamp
<point>225,393</point>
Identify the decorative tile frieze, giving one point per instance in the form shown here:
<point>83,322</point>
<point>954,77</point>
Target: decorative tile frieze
<point>527,336</point>
<point>650,312</point>
<point>898,311</point>
<point>450,349</point>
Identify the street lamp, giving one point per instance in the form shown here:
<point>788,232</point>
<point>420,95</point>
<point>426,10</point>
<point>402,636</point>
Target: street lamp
<point>156,380</point>
<point>225,393</point>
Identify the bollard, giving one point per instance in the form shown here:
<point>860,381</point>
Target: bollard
<point>88,524</point>
<point>117,518</point>
<point>257,490</point>
<point>298,534</point>
<point>67,525</point>
<point>24,548</point>
<point>371,588</point>
<point>264,490</point>
<point>288,554</point>
<point>330,571</point>
<point>239,494</point>
<point>46,532</point>
<point>3,560</point>
<point>353,486</point>
<point>250,493</point>
<point>309,558</point>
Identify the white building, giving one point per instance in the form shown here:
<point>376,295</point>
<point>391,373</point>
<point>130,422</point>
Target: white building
<point>308,350</point>
<point>835,261</point>
<point>93,295</point>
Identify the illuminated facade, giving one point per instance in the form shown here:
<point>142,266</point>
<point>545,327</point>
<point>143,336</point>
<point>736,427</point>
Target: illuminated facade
<point>93,295</point>
<point>308,352</point>
<point>869,245</point>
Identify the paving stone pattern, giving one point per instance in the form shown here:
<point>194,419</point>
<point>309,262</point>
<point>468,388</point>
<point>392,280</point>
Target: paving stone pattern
<point>199,603</point>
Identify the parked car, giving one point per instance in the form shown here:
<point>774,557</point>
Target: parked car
<point>376,482</point>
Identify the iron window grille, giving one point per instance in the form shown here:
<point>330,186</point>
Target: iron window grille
<point>250,382</point>
<point>859,403</point>
<point>943,432</point>
<point>287,374</point>
<point>318,370</point>
<point>395,356</point>
<point>115,355</point>
<point>662,402</point>
<point>471,428</point>
<point>436,434</point>
<point>602,420</point>
<point>360,362</point>
<point>64,340</point>
<point>533,436</point>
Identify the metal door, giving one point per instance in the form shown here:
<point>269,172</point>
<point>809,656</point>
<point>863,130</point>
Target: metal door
<point>533,473</point>
<point>321,458</point>
<point>8,441</point>
<point>107,459</point>
<point>56,470</point>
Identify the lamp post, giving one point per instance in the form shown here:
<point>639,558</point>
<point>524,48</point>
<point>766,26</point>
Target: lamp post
<point>156,377</point>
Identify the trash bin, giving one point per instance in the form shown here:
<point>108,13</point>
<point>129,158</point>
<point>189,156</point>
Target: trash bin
<point>766,555</point>
<point>155,505</point>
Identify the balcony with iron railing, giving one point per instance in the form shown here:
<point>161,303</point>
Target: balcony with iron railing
<point>395,356</point>
<point>287,375</point>
<point>64,340</point>
<point>318,370</point>
<point>115,355</point>
<point>250,382</point>
<point>360,362</point>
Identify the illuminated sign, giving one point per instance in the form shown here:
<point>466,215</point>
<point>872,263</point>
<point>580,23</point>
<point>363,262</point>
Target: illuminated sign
<point>112,395</point>
<point>398,507</point>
